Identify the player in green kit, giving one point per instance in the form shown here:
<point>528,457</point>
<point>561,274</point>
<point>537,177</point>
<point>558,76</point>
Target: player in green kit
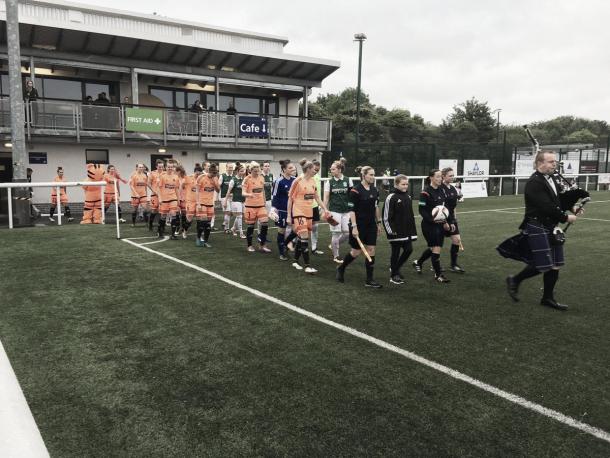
<point>224,181</point>
<point>336,199</point>
<point>236,200</point>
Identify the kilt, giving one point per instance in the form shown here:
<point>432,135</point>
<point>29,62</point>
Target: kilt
<point>533,246</point>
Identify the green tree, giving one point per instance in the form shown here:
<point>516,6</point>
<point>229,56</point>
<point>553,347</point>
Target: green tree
<point>470,122</point>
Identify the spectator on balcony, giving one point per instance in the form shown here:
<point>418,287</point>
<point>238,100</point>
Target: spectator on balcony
<point>198,107</point>
<point>102,99</point>
<point>88,100</point>
<point>231,110</point>
<point>29,92</point>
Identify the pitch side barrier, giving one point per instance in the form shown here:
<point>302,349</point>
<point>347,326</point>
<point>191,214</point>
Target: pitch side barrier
<point>58,185</point>
<point>602,179</point>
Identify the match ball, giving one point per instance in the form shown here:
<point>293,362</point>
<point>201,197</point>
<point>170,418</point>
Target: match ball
<point>440,213</point>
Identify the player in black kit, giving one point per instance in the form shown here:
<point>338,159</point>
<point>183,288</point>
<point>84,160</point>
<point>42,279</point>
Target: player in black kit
<point>432,196</point>
<point>451,200</point>
<point>365,224</point>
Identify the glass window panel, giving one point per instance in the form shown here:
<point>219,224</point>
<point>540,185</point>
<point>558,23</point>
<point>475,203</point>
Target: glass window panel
<point>96,156</point>
<point>272,107</point>
<point>225,101</point>
<point>247,105</point>
<point>62,89</point>
<point>180,99</point>
<point>210,101</point>
<point>5,87</point>
<point>191,98</point>
<point>167,97</point>
<point>94,89</point>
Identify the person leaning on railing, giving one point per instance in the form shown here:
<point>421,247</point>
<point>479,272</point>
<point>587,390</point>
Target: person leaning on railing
<point>30,93</point>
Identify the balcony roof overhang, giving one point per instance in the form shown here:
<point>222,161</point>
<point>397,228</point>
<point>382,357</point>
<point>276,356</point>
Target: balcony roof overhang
<point>135,48</point>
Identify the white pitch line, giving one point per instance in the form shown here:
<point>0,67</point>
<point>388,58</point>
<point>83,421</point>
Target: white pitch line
<point>594,219</point>
<point>164,239</point>
<point>553,414</point>
<point>19,434</point>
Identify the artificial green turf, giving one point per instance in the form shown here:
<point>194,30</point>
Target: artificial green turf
<point>126,353</point>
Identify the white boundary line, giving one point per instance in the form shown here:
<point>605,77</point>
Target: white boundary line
<point>19,434</point>
<point>164,239</point>
<point>553,414</point>
<point>594,219</point>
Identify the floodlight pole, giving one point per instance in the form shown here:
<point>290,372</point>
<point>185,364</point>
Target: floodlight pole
<point>19,155</point>
<point>359,37</point>
<point>498,126</point>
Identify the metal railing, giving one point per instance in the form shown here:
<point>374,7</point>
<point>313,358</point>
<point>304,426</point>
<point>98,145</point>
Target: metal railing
<point>55,117</point>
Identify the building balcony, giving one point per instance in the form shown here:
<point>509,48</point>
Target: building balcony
<point>69,121</point>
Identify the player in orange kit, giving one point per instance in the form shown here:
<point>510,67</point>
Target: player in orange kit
<point>189,194</point>
<point>138,184</point>
<point>207,184</point>
<point>153,178</point>
<point>112,175</point>
<point>300,212</point>
<point>253,190</point>
<point>63,197</point>
<point>168,189</point>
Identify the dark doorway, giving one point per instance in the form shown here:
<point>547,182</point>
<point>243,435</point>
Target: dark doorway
<point>154,157</point>
<point>6,176</point>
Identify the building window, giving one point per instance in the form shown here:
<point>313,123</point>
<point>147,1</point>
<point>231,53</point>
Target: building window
<point>96,156</point>
<point>4,85</point>
<point>247,105</point>
<point>225,102</point>
<point>191,98</point>
<point>210,101</point>
<point>95,89</point>
<point>62,89</point>
<point>167,97</point>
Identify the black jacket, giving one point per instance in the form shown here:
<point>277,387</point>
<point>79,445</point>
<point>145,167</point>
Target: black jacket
<point>543,205</point>
<point>398,219</point>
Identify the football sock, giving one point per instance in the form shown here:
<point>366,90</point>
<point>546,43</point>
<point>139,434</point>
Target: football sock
<point>549,279</point>
<point>454,254</point>
<point>186,224</point>
<point>151,220</point>
<point>280,243</point>
<point>174,224</point>
<point>425,255</point>
<point>227,221</point>
<point>314,237</point>
<point>134,215</point>
<point>297,250</point>
<point>161,227</point>
<point>291,237</point>
<point>249,233</point>
<point>206,231</point>
<point>262,236</point>
<point>305,249</point>
<point>527,272</point>
<point>52,211</point>
<point>120,212</point>
<point>369,268</point>
<point>199,229</point>
<point>347,260</point>
<point>335,243</point>
<point>436,263</point>
<point>67,211</point>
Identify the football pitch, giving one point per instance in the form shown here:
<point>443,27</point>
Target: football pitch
<point>133,348</point>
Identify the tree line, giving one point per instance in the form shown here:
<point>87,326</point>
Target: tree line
<point>472,121</point>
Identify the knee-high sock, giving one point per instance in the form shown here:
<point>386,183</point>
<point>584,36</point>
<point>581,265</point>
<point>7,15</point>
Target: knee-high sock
<point>262,236</point>
<point>344,237</point>
<point>297,249</point>
<point>161,227</point>
<point>249,233</point>
<point>314,237</point>
<point>425,255</point>
<point>335,242</point>
<point>527,272</point>
<point>454,254</point>
<point>290,237</point>
<point>151,220</point>
<point>280,243</point>
<point>67,212</point>
<point>370,267</point>
<point>207,228</point>
<point>550,278</point>
<point>120,212</point>
<point>305,250</point>
<point>227,220</point>
<point>347,260</point>
<point>134,215</point>
<point>200,226</point>
<point>239,223</point>
<point>213,219</point>
<point>52,211</point>
<point>407,249</point>
<point>174,224</point>
<point>436,263</point>
<point>186,224</point>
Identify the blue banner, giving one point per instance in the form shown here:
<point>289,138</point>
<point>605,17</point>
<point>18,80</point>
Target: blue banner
<point>38,158</point>
<point>253,127</point>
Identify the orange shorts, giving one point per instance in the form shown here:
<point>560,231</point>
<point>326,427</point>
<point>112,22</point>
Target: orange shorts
<point>191,208</point>
<point>204,212</point>
<point>63,199</point>
<point>301,224</point>
<point>108,199</point>
<point>154,202</point>
<point>137,201</point>
<point>253,214</point>
<point>169,206</point>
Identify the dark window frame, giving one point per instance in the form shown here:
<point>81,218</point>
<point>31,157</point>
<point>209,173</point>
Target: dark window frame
<point>95,161</point>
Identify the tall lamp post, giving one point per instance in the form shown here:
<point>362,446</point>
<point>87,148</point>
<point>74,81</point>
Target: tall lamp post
<point>497,110</point>
<point>359,37</point>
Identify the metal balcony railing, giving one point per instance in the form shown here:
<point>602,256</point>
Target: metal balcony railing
<point>66,118</point>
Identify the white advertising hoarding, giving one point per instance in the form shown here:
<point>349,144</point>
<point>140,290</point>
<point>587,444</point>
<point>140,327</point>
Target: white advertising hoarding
<point>474,189</point>
<point>444,163</point>
<point>475,167</point>
<point>524,167</point>
<point>571,166</point>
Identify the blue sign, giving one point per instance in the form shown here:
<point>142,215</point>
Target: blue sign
<point>38,158</point>
<point>253,127</point>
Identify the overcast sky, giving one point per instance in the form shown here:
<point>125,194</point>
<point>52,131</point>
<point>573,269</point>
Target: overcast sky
<point>533,59</point>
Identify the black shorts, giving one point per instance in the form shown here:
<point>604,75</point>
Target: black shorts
<point>367,235</point>
<point>433,233</point>
<point>454,232</point>
<point>316,214</point>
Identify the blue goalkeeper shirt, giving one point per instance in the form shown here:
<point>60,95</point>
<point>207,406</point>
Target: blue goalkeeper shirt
<point>279,197</point>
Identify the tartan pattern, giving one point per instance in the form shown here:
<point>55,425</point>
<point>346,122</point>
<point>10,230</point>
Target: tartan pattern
<point>544,255</point>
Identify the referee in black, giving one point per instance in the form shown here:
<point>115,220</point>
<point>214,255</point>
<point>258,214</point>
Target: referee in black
<point>545,208</point>
<point>365,224</point>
